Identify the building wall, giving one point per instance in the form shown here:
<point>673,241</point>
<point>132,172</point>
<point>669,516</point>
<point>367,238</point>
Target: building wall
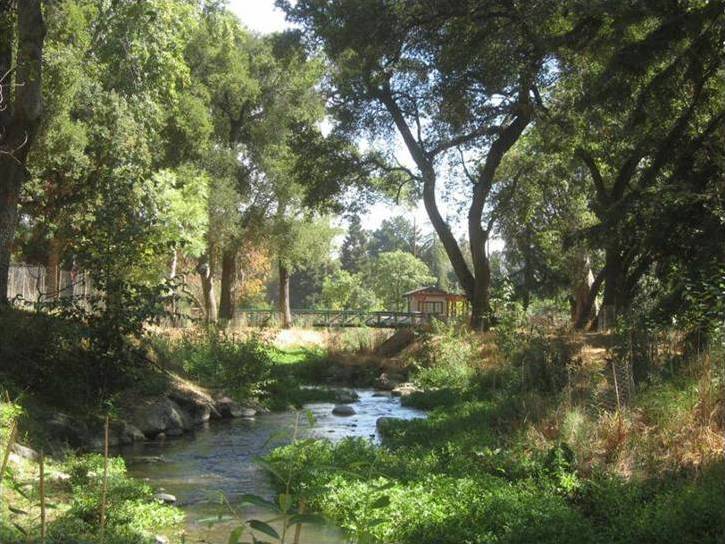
<point>435,304</point>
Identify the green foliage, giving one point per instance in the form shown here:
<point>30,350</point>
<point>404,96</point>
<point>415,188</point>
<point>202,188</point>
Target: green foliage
<point>133,515</point>
<point>58,360</point>
<point>347,291</point>
<point>448,360</point>
<point>394,273</point>
<point>218,358</point>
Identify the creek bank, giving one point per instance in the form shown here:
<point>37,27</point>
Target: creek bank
<point>170,414</point>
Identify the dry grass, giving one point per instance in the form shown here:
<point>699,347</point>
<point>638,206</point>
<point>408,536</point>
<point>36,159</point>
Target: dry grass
<point>671,426</point>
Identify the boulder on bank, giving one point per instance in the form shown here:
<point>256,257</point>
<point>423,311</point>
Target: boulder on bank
<point>66,430</point>
<point>24,452</point>
<point>228,408</point>
<point>343,410</point>
<point>199,406</point>
<point>382,422</point>
<point>386,382</point>
<point>166,498</point>
<point>405,389</point>
<point>161,416</point>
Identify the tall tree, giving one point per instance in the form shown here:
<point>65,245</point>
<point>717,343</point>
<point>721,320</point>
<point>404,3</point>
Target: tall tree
<point>355,246</point>
<point>452,78</point>
<point>640,98</point>
<point>20,112</point>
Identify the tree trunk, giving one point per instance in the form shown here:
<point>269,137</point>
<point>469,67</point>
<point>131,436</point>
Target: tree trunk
<point>9,193</point>
<point>614,285</point>
<point>228,283</point>
<point>481,301</point>
<point>20,114</point>
<point>52,269</point>
<point>284,307</point>
<point>207,287</point>
<point>528,271</point>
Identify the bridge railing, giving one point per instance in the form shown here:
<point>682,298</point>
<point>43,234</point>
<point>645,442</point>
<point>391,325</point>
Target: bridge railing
<point>335,318</point>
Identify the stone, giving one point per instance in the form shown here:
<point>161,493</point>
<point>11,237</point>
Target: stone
<point>130,433</point>
<point>384,421</point>
<point>25,452</point>
<point>199,408</point>
<point>385,382</point>
<point>379,394</point>
<point>228,408</point>
<point>404,389</point>
<point>62,428</point>
<point>248,413</point>
<point>97,441</point>
<point>346,396</point>
<point>161,416</point>
<point>343,410</point>
<point>160,539</point>
<point>166,498</point>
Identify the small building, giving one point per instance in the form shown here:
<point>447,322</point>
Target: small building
<point>436,302</point>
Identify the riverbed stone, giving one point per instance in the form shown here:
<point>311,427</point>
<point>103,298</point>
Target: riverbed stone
<point>405,389</point>
<point>166,498</point>
<point>228,407</point>
<point>346,396</point>
<point>247,413</point>
<point>130,433</point>
<point>386,382</point>
<point>343,410</point>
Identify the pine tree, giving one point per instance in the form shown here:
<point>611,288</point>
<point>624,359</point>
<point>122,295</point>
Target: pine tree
<point>354,253</point>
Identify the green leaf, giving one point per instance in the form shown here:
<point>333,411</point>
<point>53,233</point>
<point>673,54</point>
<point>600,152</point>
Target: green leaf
<point>16,510</point>
<point>285,502</point>
<point>256,500</point>
<point>263,527</point>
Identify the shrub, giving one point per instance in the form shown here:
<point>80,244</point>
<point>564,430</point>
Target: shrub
<point>242,365</point>
<point>447,359</point>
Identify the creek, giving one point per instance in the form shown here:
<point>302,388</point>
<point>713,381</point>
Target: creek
<point>219,459</point>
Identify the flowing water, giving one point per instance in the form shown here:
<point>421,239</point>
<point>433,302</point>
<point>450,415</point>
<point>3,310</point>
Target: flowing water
<point>219,459</point>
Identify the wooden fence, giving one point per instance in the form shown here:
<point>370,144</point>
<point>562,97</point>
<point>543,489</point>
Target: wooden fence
<point>27,282</point>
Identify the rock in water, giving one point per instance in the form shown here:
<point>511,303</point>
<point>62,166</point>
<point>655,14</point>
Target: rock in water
<point>404,389</point>
<point>247,413</point>
<point>346,396</point>
<point>228,408</point>
<point>161,416</point>
<point>343,410</point>
<point>166,498</point>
